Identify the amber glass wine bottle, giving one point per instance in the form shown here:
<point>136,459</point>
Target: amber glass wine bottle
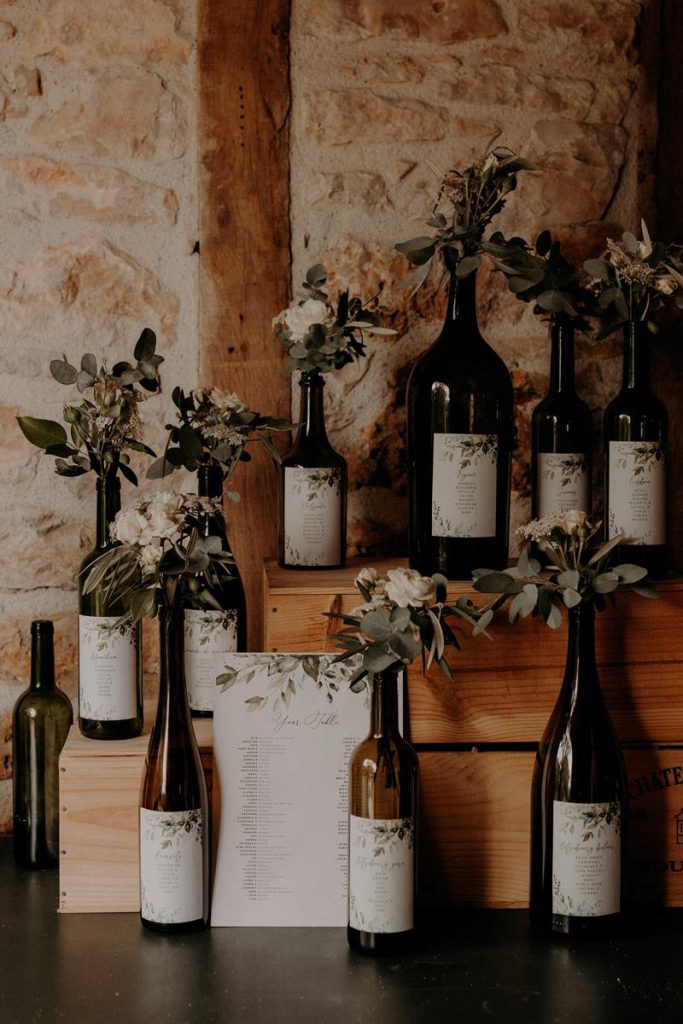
<point>313,490</point>
<point>459,410</point>
<point>40,725</point>
<point>109,651</point>
<point>211,633</point>
<point>636,427</point>
<point>174,809</point>
<point>561,434</point>
<point>578,801</point>
<point>383,774</point>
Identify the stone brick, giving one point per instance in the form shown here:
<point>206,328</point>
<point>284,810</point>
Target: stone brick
<point>16,466</point>
<point>17,87</point>
<point>136,116</point>
<point>350,187</point>
<point>44,188</point>
<point>7,31</point>
<point>581,166</point>
<point>86,289</point>
<point>441,22</point>
<point>385,68</point>
<point>592,33</point>
<point>360,116</point>
<point>145,32</point>
<point>6,812</point>
<point>44,547</point>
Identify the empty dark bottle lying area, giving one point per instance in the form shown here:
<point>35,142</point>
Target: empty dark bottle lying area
<point>636,428</point>
<point>561,434</point>
<point>459,408</point>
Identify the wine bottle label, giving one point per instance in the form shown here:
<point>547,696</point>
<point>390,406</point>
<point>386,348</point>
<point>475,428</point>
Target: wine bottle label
<point>209,636</point>
<point>107,668</point>
<point>637,491</point>
<point>562,482</point>
<point>312,516</point>
<point>171,866</point>
<point>381,874</point>
<point>586,859</point>
<point>464,485</point>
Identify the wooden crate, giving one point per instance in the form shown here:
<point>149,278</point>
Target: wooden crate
<point>99,793</point>
<point>475,734</point>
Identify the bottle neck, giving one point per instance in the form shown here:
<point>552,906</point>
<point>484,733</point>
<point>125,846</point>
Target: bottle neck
<point>210,481</point>
<point>312,409</point>
<point>42,657</point>
<point>581,672</point>
<point>173,704</point>
<point>561,357</point>
<point>108,505</point>
<point>461,311</point>
<point>636,376</point>
<point>384,708</point>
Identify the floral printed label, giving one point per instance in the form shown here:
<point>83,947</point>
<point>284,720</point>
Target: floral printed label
<point>381,874</point>
<point>312,516</point>
<point>562,482</point>
<point>171,866</point>
<point>586,859</point>
<point>464,485</point>
<point>637,491</point>
<point>209,635</point>
<point>107,668</point>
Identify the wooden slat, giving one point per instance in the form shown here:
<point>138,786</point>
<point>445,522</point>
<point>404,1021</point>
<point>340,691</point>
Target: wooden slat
<point>504,690</point>
<point>244,277</point>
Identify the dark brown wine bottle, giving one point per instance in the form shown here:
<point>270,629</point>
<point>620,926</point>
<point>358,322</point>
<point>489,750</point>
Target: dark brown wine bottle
<point>636,428</point>
<point>578,802</point>
<point>40,725</point>
<point>383,775</point>
<point>109,651</point>
<point>459,408</point>
<point>174,808</point>
<point>561,435</point>
<point>211,633</point>
<point>313,490</point>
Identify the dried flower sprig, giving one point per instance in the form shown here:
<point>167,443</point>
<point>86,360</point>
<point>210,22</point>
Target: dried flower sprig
<point>214,426</point>
<point>580,571</point>
<point>104,426</point>
<point>404,615</point>
<point>466,203</point>
<point>320,336</point>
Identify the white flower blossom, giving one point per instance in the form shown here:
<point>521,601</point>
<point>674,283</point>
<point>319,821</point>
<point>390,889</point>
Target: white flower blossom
<point>150,556</point>
<point>299,317</point>
<point>406,587</point>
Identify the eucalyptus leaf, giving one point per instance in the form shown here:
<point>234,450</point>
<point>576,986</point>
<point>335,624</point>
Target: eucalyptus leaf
<point>571,597</point>
<point>569,578</point>
<point>145,345</point>
<point>89,364</point>
<point>42,433</point>
<point>605,583</point>
<point>63,372</point>
<point>629,573</point>
<point>497,583</point>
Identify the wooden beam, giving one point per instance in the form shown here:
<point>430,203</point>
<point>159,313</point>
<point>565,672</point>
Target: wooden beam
<point>244,277</point>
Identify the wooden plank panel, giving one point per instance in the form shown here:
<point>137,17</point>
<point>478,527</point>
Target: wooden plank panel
<point>244,277</point>
<point>504,690</point>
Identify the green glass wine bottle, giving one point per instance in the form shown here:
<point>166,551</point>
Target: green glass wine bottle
<point>41,721</point>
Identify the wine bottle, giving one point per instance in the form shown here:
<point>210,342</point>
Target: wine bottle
<point>109,650</point>
<point>313,490</point>
<point>578,801</point>
<point>174,808</point>
<point>561,435</point>
<point>40,725</point>
<point>211,633</point>
<point>636,427</point>
<point>459,410</point>
<point>383,774</point>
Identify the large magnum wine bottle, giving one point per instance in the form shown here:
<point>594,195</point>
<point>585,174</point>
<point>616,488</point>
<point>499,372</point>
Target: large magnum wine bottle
<point>561,435</point>
<point>40,725</point>
<point>383,773</point>
<point>313,490</point>
<point>636,426</point>
<point>211,633</point>
<point>174,808</point>
<point>109,652</point>
<point>578,801</point>
<point>459,444</point>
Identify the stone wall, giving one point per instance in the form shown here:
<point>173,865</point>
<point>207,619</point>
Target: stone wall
<point>388,92</point>
<point>98,204</point>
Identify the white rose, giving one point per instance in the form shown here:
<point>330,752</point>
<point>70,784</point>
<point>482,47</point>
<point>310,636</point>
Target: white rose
<point>299,318</point>
<point>226,401</point>
<point>150,556</point>
<point>666,285</point>
<point>367,578</point>
<point>572,521</point>
<point>128,526</point>
<point>405,587</point>
<point>198,395</point>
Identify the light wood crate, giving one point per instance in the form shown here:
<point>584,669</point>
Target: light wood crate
<point>99,793</point>
<point>476,734</point>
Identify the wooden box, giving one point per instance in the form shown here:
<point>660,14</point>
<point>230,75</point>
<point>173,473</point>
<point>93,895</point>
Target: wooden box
<point>476,734</point>
<point>99,792</point>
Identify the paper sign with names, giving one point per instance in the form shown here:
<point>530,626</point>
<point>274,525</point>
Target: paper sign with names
<point>284,728</point>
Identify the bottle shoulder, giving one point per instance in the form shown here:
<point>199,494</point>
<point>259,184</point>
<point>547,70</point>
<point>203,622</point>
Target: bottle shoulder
<point>313,456</point>
<point>32,703</point>
<point>635,411</point>
<point>461,362</point>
